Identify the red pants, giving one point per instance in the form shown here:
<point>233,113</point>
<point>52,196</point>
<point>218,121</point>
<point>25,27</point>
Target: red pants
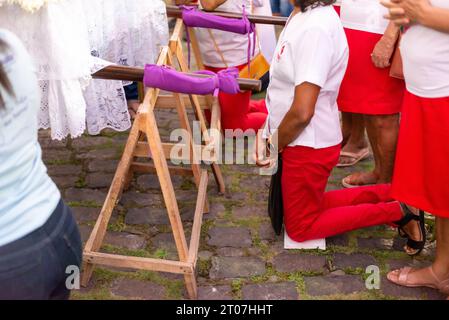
<point>311,213</point>
<point>238,111</point>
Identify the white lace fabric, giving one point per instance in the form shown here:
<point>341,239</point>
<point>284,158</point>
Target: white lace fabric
<point>66,38</point>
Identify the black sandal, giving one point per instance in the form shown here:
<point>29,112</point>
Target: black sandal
<point>410,216</point>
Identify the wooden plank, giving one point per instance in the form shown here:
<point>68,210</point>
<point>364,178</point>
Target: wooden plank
<point>143,151</point>
<point>166,101</point>
<point>215,121</point>
<point>198,218</point>
<point>176,35</point>
<point>150,169</point>
<point>138,263</point>
<point>166,184</point>
<point>196,49</point>
<point>191,286</point>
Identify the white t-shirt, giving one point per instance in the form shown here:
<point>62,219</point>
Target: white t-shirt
<point>28,196</point>
<point>364,15</point>
<point>312,48</point>
<point>233,46</point>
<point>425,54</point>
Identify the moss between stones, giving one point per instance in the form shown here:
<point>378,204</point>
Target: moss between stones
<point>141,253</point>
<point>203,267</point>
<point>81,182</point>
<point>87,204</point>
<point>236,287</point>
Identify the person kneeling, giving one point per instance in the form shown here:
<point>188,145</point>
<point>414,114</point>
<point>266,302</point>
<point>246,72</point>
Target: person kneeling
<point>309,65</point>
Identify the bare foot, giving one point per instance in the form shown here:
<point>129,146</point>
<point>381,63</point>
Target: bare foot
<point>426,277</point>
<point>361,179</point>
<point>355,153</point>
<point>133,107</point>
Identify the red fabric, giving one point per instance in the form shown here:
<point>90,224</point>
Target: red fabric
<point>311,213</point>
<point>365,88</point>
<point>337,8</point>
<point>238,111</point>
<point>421,176</point>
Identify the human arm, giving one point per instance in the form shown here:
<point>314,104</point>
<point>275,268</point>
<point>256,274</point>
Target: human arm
<point>299,116</point>
<point>384,49</point>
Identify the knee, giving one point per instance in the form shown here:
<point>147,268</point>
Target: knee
<point>297,233</point>
<point>385,122</point>
<point>296,227</point>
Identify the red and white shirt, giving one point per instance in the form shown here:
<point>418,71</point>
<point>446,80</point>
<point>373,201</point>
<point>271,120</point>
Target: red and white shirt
<point>312,48</point>
<point>425,54</point>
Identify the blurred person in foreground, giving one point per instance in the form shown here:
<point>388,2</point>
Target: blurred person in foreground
<point>39,239</point>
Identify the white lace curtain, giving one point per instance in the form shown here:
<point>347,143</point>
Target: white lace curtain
<point>69,40</point>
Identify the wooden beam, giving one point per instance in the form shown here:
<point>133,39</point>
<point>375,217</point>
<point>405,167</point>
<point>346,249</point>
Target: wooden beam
<point>198,218</point>
<point>143,151</point>
<point>166,101</point>
<point>137,263</point>
<point>124,73</point>
<point>176,12</point>
<point>141,167</point>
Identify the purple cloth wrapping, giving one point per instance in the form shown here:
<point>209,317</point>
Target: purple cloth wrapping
<point>168,79</point>
<point>193,17</point>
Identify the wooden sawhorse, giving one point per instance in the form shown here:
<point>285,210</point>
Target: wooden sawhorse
<point>144,141</point>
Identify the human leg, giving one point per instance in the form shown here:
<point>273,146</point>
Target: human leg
<point>310,213</point>
<point>356,147</point>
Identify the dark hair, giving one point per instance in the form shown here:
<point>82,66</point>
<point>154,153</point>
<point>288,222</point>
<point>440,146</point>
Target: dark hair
<point>306,4</point>
<point>4,80</point>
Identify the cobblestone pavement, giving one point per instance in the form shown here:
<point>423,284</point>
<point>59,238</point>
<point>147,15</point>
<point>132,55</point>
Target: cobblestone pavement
<point>240,257</point>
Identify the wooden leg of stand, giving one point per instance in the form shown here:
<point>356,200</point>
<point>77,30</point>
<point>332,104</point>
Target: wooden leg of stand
<point>168,192</point>
<point>192,288</point>
<point>216,170</point>
<point>99,230</point>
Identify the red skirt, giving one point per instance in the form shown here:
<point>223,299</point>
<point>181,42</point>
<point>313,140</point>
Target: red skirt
<point>421,176</point>
<point>365,88</point>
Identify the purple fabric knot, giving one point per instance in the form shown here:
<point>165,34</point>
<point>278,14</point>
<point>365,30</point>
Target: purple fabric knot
<point>193,17</point>
<point>166,78</point>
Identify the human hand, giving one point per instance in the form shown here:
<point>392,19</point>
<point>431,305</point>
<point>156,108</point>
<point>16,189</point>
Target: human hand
<point>383,51</point>
<point>405,12</point>
<point>265,153</point>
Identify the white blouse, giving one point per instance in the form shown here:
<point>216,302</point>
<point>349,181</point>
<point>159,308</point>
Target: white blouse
<point>312,48</point>
<point>364,15</point>
<point>425,54</point>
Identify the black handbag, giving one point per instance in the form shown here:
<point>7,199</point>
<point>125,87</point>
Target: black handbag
<point>275,202</point>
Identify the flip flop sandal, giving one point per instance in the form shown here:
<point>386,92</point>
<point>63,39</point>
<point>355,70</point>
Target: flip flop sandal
<point>410,216</point>
<point>402,280</point>
<point>347,185</point>
<point>362,155</point>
